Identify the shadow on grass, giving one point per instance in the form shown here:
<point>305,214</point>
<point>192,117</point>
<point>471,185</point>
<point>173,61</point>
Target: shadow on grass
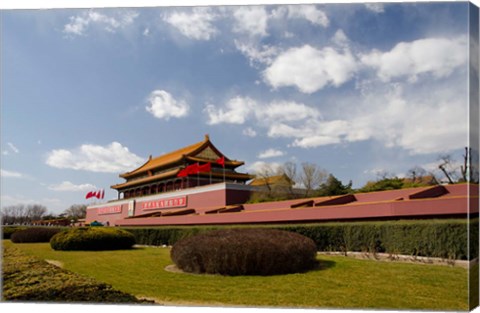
<point>320,266</point>
<point>324,265</point>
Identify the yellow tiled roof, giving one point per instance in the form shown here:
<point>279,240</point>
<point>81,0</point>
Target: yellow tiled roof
<point>168,158</point>
<point>272,180</point>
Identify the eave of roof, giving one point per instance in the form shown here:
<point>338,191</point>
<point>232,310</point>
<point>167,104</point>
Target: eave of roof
<point>168,158</point>
<point>148,179</point>
<point>228,163</point>
<point>173,174</point>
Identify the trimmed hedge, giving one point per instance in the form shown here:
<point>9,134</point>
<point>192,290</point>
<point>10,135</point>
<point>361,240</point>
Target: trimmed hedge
<point>7,231</point>
<point>244,251</point>
<point>34,234</point>
<point>93,238</point>
<point>432,238</point>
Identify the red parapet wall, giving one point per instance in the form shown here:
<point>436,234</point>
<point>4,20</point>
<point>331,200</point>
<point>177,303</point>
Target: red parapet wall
<point>168,204</point>
<point>213,206</point>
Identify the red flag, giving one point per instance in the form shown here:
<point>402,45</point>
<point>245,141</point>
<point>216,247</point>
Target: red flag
<point>221,161</point>
<point>193,169</point>
<point>183,173</point>
<point>205,168</point>
<point>99,194</point>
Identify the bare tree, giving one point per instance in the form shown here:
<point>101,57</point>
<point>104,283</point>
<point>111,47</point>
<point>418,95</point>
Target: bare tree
<point>76,211</point>
<point>312,177</point>
<point>416,173</point>
<point>289,169</point>
<point>35,212</point>
<point>446,167</point>
<point>468,170</point>
<point>264,173</point>
<point>21,214</point>
<point>8,215</point>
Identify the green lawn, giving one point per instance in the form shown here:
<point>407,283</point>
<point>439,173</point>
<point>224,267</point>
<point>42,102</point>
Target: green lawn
<point>340,283</point>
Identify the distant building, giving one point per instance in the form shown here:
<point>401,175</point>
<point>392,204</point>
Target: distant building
<point>198,175</point>
<point>273,181</point>
<point>196,165</point>
<point>199,185</point>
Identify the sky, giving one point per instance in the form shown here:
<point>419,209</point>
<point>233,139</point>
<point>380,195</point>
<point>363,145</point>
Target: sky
<point>358,89</point>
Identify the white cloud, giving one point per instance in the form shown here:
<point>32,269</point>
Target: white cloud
<point>79,24</point>
<point>314,141</point>
<point>69,186</point>
<point>311,132</point>
<point>263,54</point>
<point>250,132</point>
<point>11,148</point>
<point>375,7</point>
<point>113,158</point>
<point>281,111</point>
<point>10,174</point>
<point>310,13</point>
<point>437,56</point>
<point>340,39</point>
<point>285,119</point>
<point>418,120</point>
<point>260,166</point>
<point>422,122</point>
<point>195,25</point>
<point>310,69</point>
<point>302,11</point>
<point>251,20</point>
<point>162,105</point>
<point>7,200</point>
<point>236,111</point>
<point>270,153</point>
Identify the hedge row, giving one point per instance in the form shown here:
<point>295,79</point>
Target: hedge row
<point>26,278</point>
<point>7,231</point>
<point>432,238</point>
<point>34,234</point>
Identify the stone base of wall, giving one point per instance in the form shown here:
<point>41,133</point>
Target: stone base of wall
<point>387,257</point>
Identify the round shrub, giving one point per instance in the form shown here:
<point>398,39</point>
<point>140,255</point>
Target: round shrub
<point>247,251</point>
<point>93,238</point>
<point>34,234</point>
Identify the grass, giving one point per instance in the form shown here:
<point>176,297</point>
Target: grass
<point>339,283</point>
<point>27,278</point>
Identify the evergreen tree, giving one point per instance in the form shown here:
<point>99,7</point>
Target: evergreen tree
<point>334,187</point>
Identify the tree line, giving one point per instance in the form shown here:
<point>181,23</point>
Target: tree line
<point>290,181</point>
<point>21,214</point>
<point>310,180</point>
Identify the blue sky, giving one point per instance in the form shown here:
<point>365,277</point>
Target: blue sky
<point>359,89</point>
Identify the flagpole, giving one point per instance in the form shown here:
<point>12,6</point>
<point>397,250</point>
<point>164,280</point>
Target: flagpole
<point>223,165</point>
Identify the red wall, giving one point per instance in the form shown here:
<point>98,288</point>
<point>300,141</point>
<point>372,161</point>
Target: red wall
<point>205,197</point>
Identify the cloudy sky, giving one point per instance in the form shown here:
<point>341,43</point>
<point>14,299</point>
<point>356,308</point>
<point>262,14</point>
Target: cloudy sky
<point>359,89</point>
